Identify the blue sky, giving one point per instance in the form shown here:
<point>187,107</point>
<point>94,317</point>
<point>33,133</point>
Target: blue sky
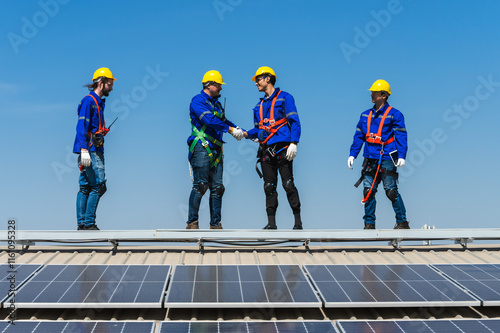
<point>440,59</point>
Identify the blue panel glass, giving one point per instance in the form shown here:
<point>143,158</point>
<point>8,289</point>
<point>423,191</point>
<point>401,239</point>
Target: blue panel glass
<point>180,292</point>
<point>205,292</point>
<point>249,273</point>
<point>253,292</point>
<point>229,292</point>
<point>248,326</point>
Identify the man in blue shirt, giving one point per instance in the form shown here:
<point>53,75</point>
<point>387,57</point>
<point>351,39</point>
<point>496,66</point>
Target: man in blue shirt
<point>209,122</point>
<point>383,132</point>
<point>277,129</point>
<point>89,144</point>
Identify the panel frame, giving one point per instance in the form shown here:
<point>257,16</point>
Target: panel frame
<point>5,298</point>
<point>342,329</point>
<point>6,323</point>
<point>377,304</point>
<point>107,305</point>
<point>250,322</point>
<point>269,304</point>
<point>457,282</point>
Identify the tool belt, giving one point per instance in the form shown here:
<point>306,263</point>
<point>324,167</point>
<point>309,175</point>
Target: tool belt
<point>370,166</point>
<point>266,153</point>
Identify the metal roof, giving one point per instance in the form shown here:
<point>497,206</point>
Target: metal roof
<point>183,253</point>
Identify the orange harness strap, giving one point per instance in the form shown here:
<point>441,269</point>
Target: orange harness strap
<point>98,113</point>
<point>272,123</point>
<point>377,138</point>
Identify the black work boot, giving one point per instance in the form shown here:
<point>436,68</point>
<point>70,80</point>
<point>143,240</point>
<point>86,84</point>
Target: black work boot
<point>192,225</point>
<point>271,223</point>
<point>402,225</point>
<point>92,227</point>
<point>298,222</point>
<point>369,226</point>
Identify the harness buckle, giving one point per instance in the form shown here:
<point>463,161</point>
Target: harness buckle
<point>271,122</point>
<point>204,144</point>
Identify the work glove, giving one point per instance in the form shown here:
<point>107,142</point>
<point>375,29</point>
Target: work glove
<point>401,162</point>
<point>291,152</point>
<point>350,162</point>
<point>237,133</point>
<point>85,158</point>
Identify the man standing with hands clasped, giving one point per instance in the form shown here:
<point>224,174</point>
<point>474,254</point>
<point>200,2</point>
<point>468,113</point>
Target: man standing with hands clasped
<point>89,143</point>
<point>277,128</point>
<point>209,123</point>
<point>382,130</point>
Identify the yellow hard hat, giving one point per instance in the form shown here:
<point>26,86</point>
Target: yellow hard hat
<point>263,70</point>
<point>212,76</point>
<point>381,85</point>
<point>103,72</point>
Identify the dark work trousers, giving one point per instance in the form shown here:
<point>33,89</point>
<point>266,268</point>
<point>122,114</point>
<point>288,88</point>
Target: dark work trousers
<point>271,165</point>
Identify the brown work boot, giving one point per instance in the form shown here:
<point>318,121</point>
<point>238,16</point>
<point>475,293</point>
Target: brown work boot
<point>218,226</point>
<point>192,225</point>
<point>402,225</point>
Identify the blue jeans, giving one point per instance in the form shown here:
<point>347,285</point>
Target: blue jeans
<point>204,178</point>
<point>92,186</point>
<point>390,187</point>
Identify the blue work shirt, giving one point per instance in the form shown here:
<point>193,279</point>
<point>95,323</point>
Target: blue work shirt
<point>88,122</point>
<point>283,108</point>
<point>201,111</point>
<point>394,125</point>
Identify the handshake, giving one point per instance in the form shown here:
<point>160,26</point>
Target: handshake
<point>237,133</point>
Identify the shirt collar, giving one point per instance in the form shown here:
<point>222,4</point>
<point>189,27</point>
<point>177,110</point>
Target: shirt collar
<point>97,98</point>
<point>383,108</point>
<point>207,96</point>
<point>276,90</point>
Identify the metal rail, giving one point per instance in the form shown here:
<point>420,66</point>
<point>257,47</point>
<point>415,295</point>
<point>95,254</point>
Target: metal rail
<point>253,237</point>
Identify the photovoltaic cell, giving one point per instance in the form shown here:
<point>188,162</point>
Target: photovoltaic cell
<point>12,277</point>
<point>240,286</point>
<point>421,326</point>
<point>77,326</point>
<point>385,286</point>
<point>85,286</point>
<point>307,326</point>
<point>483,280</point>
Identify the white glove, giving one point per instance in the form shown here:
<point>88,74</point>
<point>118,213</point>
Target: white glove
<point>291,152</point>
<point>237,133</point>
<point>401,162</point>
<point>85,158</point>
<point>350,162</point>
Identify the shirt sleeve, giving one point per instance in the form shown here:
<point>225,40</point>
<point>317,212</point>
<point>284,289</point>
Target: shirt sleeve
<point>293,118</point>
<point>358,139</point>
<point>400,134</point>
<point>254,132</point>
<point>83,124</point>
<point>204,114</point>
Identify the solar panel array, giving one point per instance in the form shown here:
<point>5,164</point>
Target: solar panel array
<point>12,277</point>
<point>196,286</point>
<point>85,286</point>
<point>77,326</point>
<point>296,326</point>
<point>386,286</point>
<point>421,326</point>
<point>483,280</point>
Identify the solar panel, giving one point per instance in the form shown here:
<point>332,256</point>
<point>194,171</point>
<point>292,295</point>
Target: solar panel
<point>15,276</point>
<point>421,326</point>
<point>385,286</point>
<point>77,326</point>
<point>309,326</point>
<point>240,286</point>
<point>483,280</point>
<point>86,286</point>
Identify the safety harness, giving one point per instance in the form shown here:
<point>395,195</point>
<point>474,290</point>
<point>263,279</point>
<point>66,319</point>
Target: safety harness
<point>272,129</point>
<point>377,139</point>
<point>203,137</point>
<point>102,130</point>
<point>273,126</point>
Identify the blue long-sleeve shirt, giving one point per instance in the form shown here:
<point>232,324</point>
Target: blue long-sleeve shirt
<point>283,108</point>
<point>394,125</point>
<point>88,122</point>
<point>201,111</point>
